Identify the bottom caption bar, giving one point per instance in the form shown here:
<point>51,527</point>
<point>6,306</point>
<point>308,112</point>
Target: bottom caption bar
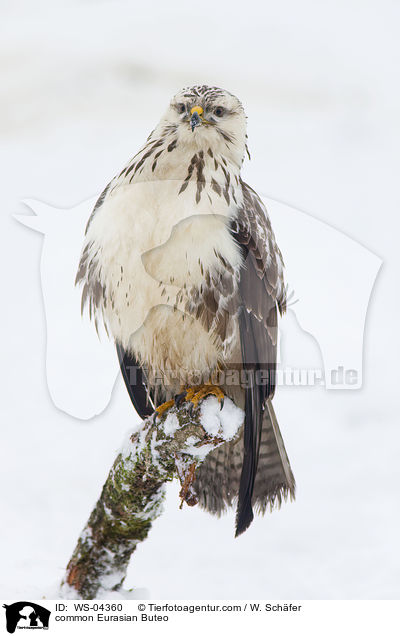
<point>311,617</point>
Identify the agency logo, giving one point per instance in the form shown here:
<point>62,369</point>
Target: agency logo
<point>26,615</point>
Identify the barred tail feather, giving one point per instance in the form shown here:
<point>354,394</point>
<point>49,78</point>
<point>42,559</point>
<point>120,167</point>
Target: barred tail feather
<point>274,480</point>
<point>218,478</point>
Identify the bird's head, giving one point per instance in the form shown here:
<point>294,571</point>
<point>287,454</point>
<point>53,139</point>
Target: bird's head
<point>210,118</point>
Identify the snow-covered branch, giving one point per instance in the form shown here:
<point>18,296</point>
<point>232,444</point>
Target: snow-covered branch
<point>132,496</point>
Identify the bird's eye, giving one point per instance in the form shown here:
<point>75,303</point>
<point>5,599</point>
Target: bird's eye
<point>219,111</point>
<point>181,108</point>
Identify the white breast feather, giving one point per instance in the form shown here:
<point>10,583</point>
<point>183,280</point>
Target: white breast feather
<point>150,242</point>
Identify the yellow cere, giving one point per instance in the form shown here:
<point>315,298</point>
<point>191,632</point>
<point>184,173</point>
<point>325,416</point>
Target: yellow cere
<point>196,109</point>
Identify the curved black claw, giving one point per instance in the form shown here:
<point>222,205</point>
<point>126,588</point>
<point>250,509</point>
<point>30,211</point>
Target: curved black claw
<point>222,404</point>
<point>179,398</point>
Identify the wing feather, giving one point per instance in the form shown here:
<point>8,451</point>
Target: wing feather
<point>261,296</point>
<point>136,383</point>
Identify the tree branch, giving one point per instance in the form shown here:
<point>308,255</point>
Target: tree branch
<point>132,496</point>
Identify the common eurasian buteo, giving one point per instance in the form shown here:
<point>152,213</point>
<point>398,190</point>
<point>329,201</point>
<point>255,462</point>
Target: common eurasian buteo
<point>181,264</point>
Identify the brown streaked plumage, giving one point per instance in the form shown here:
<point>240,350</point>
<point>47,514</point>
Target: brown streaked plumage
<point>181,263</point>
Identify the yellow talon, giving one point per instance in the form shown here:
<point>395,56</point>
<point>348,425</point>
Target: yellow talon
<point>196,395</point>
<point>160,410</point>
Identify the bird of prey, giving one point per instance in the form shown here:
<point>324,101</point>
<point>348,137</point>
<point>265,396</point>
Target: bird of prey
<point>181,264</point>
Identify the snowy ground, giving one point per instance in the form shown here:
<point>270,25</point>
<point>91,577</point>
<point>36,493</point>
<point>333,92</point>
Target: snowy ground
<point>82,84</point>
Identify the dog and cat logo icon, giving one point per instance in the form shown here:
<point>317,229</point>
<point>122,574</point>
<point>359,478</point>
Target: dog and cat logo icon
<point>26,615</point>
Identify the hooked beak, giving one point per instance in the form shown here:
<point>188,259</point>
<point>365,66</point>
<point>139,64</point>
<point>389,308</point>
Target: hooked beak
<point>195,120</point>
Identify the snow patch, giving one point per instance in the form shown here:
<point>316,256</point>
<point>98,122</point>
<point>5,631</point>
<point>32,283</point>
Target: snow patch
<point>108,581</point>
<point>171,424</point>
<point>223,422</point>
<point>128,446</point>
<point>199,452</point>
<point>67,592</point>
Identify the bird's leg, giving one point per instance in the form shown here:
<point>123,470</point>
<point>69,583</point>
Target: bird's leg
<point>196,394</point>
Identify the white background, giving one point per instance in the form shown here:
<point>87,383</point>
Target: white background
<point>82,84</point>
